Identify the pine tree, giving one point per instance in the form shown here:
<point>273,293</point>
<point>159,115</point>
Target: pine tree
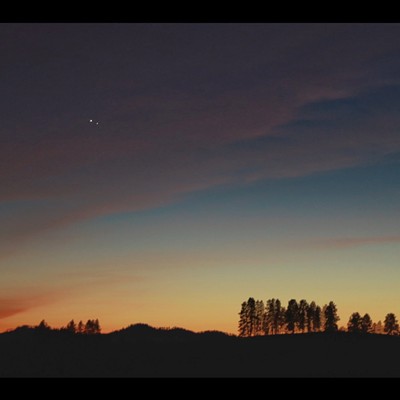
<point>331,317</point>
<point>43,326</point>
<point>310,316</point>
<point>248,321</point>
<point>92,327</point>
<point>258,330</point>
<point>270,316</point>
<point>242,321</point>
<point>279,319</point>
<point>302,315</point>
<point>292,312</point>
<point>96,327</point>
<point>355,323</point>
<point>71,326</point>
<point>265,322</point>
<point>251,316</point>
<point>81,327</point>
<point>323,312</point>
<point>377,328</point>
<point>366,324</point>
<point>88,327</point>
<point>391,326</point>
<point>317,320</point>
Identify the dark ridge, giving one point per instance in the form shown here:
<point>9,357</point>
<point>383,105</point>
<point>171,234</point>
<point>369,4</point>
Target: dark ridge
<point>146,332</point>
<point>143,351</point>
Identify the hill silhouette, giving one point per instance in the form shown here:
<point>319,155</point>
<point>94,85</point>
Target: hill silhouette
<point>144,351</point>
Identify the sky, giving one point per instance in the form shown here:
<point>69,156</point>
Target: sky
<point>229,161</point>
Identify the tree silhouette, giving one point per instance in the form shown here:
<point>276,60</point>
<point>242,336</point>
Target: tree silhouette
<point>323,311</point>
<point>89,328</point>
<point>251,316</point>
<point>43,326</point>
<point>81,327</point>
<point>317,319</point>
<point>255,318</point>
<point>366,324</point>
<point>377,327</point>
<point>279,320</point>
<point>92,327</point>
<point>355,323</point>
<point>331,317</point>
<point>71,326</point>
<point>275,316</point>
<point>248,320</point>
<point>269,324</point>
<point>302,315</point>
<point>390,325</point>
<point>259,310</point>
<point>291,315</point>
<point>310,316</point>
<point>243,321</point>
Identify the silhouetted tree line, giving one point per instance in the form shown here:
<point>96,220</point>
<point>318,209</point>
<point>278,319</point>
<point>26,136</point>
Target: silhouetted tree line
<point>271,318</point>
<point>92,327</point>
<point>358,324</point>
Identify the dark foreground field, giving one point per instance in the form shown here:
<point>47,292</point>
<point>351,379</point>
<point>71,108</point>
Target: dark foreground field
<point>146,352</point>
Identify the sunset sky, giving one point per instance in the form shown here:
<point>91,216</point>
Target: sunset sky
<point>229,161</point>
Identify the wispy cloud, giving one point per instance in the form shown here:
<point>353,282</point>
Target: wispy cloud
<point>24,300</point>
<point>352,242</point>
<point>297,108</point>
<point>21,299</point>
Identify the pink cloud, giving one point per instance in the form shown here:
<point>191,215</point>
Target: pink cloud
<point>24,300</point>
